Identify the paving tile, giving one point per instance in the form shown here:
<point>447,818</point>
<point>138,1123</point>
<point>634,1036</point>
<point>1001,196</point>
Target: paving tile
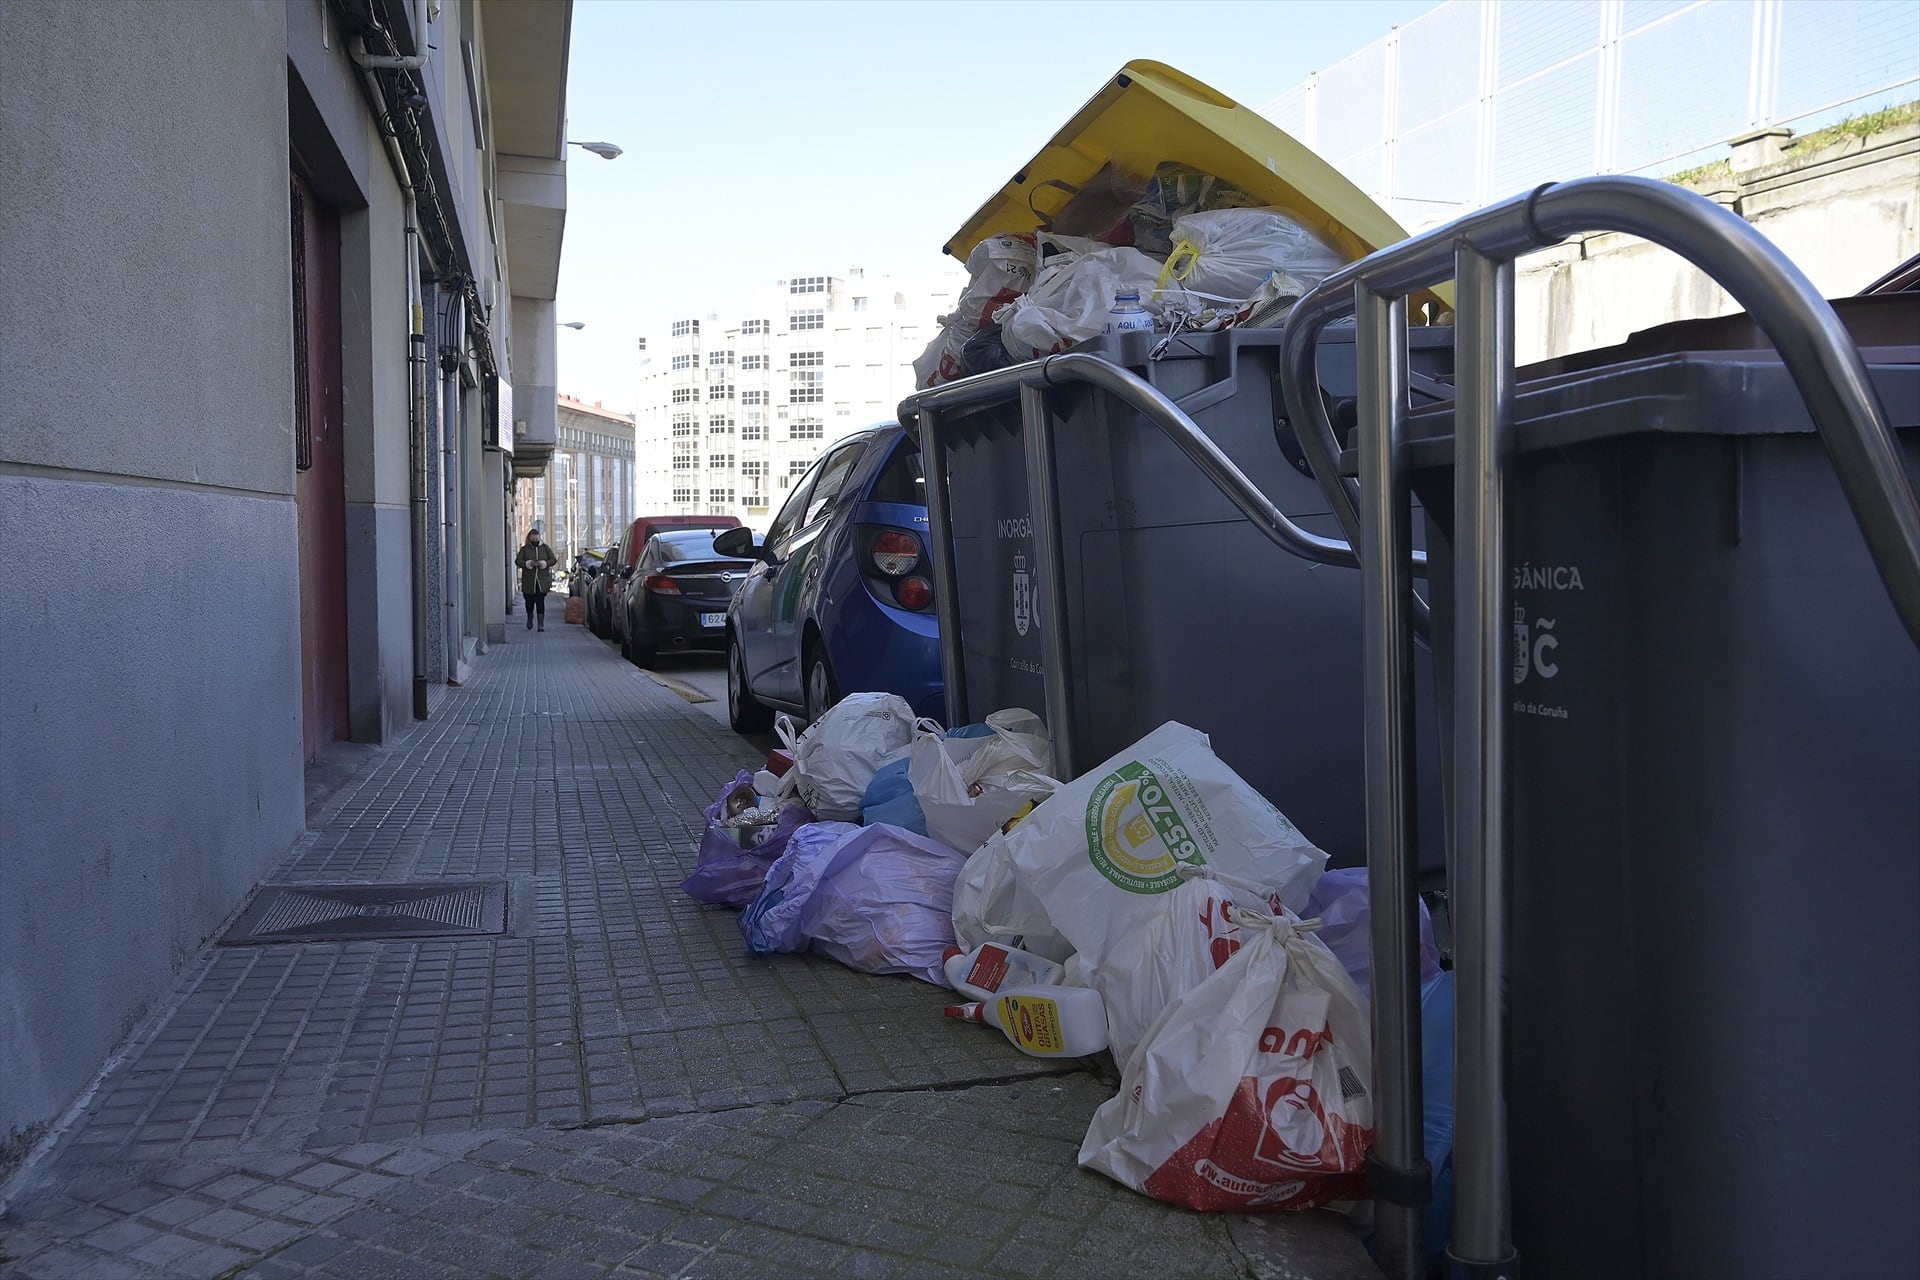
<point>415,1108</point>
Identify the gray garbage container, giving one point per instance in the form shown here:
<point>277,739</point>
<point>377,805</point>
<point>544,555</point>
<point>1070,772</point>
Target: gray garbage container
<point>1178,607</point>
<point>1715,826</point>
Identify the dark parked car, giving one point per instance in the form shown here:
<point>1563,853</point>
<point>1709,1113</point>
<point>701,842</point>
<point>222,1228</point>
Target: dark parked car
<point>607,596</point>
<point>586,565</point>
<point>677,598</point>
<point>842,595</point>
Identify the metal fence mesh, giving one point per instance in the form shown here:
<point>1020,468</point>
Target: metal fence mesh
<point>1473,101</point>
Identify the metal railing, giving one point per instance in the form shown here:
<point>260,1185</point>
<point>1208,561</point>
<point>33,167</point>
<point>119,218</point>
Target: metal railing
<point>922,414</point>
<point>1478,252</point>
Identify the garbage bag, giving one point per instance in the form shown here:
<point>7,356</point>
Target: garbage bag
<point>1069,302</point>
<point>1192,933</point>
<point>1252,1090</point>
<point>878,899</point>
<point>837,756</point>
<point>990,905</point>
<point>737,846</point>
<point>1099,851</point>
<point>1000,268</point>
<point>972,780</point>
<point>889,798</point>
<point>1223,255</point>
<point>1340,903</point>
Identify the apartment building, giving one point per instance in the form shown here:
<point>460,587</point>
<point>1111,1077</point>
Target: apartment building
<point>734,407</point>
<point>585,497</point>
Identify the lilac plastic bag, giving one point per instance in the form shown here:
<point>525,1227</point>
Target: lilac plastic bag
<point>730,874</point>
<point>878,899</point>
<point>1339,899</point>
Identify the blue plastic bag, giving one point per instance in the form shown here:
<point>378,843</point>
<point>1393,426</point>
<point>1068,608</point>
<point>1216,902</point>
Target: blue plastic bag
<point>729,873</point>
<point>890,799</point>
<point>1340,902</point>
<point>771,922</point>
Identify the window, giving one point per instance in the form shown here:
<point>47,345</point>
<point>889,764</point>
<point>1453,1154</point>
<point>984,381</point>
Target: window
<point>833,476</point>
<point>810,319</point>
<point>808,284</point>
<point>798,466</point>
<point>902,479</point>
<point>718,424</point>
<point>753,362</point>
<point>719,495</point>
<point>842,409</point>
<point>807,360</point>
<point>751,327</point>
<point>683,424</point>
<point>859,304</point>
<point>807,388</point>
<point>753,470</point>
<point>688,360</point>
<point>753,397</point>
<point>720,462</point>
<point>686,462</point>
<point>682,497</point>
<point>686,328</point>
<point>717,358</point>
<point>807,429</point>
<point>685,395</point>
<point>753,426</point>
<point>722,392</point>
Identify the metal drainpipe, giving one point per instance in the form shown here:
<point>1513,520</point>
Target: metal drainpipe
<point>451,335</point>
<point>416,357</point>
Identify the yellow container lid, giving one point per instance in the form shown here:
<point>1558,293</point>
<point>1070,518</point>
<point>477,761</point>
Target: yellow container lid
<point>1148,115</point>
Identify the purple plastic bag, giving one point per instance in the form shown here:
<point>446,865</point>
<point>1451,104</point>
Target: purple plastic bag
<point>1340,901</point>
<point>727,874</point>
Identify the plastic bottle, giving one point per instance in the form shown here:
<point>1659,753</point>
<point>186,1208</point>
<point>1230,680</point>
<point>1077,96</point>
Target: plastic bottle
<point>981,972</point>
<point>1043,1022</point>
<point>1127,315</point>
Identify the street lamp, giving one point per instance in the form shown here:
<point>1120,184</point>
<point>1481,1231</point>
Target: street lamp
<point>573,324</point>
<point>605,150</point>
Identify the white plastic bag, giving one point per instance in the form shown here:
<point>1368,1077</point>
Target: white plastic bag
<point>990,906</point>
<point>1223,255</point>
<point>1251,1091</point>
<point>1069,301</point>
<point>835,759</point>
<point>1193,933</point>
<point>1001,268</point>
<point>968,787</point>
<point>1100,851</point>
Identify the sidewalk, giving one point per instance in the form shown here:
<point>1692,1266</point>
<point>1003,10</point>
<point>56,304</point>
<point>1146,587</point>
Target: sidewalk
<point>613,1087</point>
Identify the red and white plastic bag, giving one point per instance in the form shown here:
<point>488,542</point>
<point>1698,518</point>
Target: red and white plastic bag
<point>1251,1092</point>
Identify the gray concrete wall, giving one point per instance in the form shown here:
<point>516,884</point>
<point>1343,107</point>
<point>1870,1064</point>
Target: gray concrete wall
<point>1846,215</point>
<point>150,756</point>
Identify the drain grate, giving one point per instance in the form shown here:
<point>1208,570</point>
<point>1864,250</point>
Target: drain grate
<point>357,912</point>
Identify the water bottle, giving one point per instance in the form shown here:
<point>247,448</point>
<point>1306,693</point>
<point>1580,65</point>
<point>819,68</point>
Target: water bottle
<point>1127,315</point>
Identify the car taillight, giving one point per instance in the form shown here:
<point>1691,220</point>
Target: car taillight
<point>895,553</point>
<point>661,585</point>
<point>913,593</point>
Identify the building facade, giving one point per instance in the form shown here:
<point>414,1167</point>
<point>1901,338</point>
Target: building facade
<point>275,272</point>
<point>734,408</point>
<point>585,497</point>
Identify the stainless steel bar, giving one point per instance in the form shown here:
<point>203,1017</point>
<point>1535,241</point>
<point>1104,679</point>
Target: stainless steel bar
<point>1153,405</point>
<point>1813,344</point>
<point>1380,351</point>
<point>1043,505</point>
<point>1482,422</point>
<point>946,589</point>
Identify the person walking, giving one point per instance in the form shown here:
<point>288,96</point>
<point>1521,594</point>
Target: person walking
<point>535,560</point>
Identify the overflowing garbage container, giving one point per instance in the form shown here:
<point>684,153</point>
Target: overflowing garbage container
<point>1178,606</point>
<point>1714,738</point>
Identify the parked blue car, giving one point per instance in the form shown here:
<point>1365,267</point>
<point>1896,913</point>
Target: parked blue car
<point>841,599</point>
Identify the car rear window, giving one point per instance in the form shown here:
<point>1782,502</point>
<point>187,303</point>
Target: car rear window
<point>694,544</point>
<point>901,480</point>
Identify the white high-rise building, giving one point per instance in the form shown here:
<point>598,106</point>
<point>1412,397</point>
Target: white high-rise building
<point>733,408</point>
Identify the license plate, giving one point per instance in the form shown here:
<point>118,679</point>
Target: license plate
<point>713,619</point>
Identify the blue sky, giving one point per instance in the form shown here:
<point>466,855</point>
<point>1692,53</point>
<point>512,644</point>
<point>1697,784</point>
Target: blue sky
<point>769,140</point>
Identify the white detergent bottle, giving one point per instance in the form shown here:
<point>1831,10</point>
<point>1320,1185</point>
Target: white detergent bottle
<point>1044,1022</point>
<point>981,972</point>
